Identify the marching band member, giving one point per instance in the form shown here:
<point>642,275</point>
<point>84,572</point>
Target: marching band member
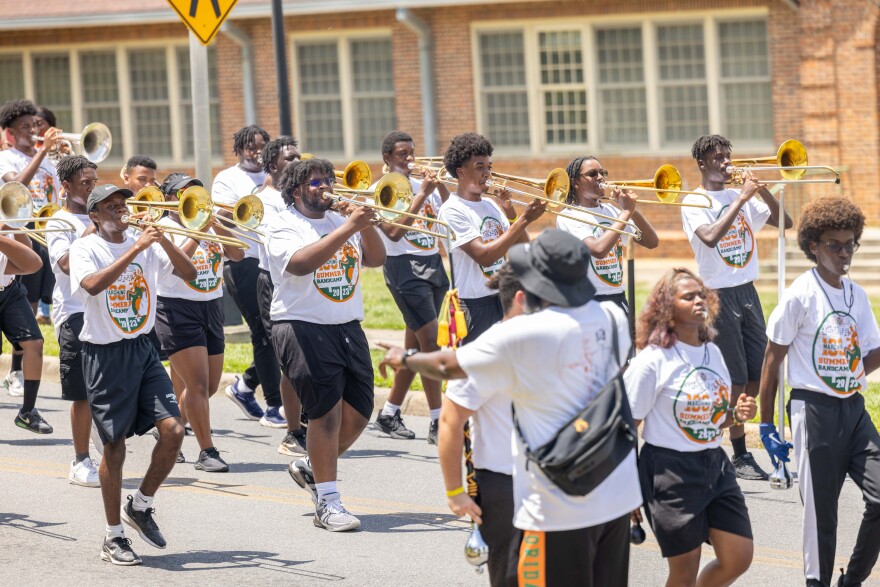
<point>79,176</point>
<point>229,186</point>
<point>679,385</point>
<point>117,277</point>
<point>483,232</point>
<point>139,172</point>
<point>824,324</point>
<point>315,257</point>
<point>44,121</point>
<point>277,155</point>
<point>491,432</point>
<point>29,165</point>
<point>587,176</point>
<point>416,278</point>
<point>189,323</point>
<point>726,249</point>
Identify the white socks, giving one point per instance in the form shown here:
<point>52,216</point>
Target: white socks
<point>117,531</point>
<point>141,502</point>
<point>435,415</point>
<point>327,491</point>
<point>242,387</point>
<point>389,409</point>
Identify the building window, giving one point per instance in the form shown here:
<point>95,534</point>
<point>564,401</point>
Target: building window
<point>344,114</point>
<point>141,92</point>
<point>646,85</point>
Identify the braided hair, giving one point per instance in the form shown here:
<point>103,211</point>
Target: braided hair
<point>273,149</point>
<point>574,170</point>
<point>247,136</point>
<point>708,144</point>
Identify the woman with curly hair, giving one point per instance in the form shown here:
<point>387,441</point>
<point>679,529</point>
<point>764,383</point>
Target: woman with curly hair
<point>680,387</point>
<point>824,324</point>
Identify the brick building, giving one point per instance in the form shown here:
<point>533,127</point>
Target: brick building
<point>633,82</point>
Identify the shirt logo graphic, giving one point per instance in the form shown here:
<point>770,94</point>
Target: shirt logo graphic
<point>337,279</point>
<point>609,268</point>
<point>737,245</point>
<point>128,300</point>
<point>491,229</point>
<point>700,405</point>
<point>208,259</point>
<point>420,240</point>
<point>837,356</point>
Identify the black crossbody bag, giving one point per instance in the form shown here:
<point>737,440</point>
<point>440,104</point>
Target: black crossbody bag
<point>590,446</point>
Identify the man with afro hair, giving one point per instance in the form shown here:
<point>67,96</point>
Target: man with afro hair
<point>824,324</point>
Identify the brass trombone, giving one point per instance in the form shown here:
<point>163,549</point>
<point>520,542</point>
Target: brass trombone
<point>194,209</point>
<point>357,176</point>
<point>394,196</point>
<point>247,215</point>
<point>666,184</point>
<point>93,143</point>
<point>17,208</point>
<point>790,161</point>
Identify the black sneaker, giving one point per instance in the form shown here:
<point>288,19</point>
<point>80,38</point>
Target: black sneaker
<point>294,443</point>
<point>180,457</point>
<point>210,461</point>
<point>33,421</point>
<point>844,582</point>
<point>393,426</point>
<point>432,432</point>
<point>301,472</point>
<point>748,469</point>
<point>144,524</point>
<point>118,551</point>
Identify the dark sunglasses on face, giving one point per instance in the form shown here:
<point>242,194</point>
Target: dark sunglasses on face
<point>835,247</point>
<point>327,181</point>
<point>595,173</point>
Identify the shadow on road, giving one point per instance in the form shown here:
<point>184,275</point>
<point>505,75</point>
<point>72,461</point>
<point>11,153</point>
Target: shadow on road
<point>23,522</point>
<point>255,438</point>
<point>405,522</point>
<point>37,441</point>
<point>210,560</point>
<point>370,454</point>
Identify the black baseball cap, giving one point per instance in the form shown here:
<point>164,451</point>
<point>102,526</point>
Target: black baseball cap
<point>178,182</point>
<point>554,268</point>
<point>102,192</point>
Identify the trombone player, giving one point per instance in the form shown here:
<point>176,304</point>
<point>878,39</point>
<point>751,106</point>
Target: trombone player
<point>586,188</point>
<point>416,278</point>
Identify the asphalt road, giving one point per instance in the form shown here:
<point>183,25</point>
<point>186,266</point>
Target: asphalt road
<point>253,526</point>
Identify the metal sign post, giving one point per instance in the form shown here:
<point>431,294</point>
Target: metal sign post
<point>201,109</point>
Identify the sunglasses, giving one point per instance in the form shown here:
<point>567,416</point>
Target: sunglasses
<point>327,181</point>
<point>834,247</point>
<point>595,173</point>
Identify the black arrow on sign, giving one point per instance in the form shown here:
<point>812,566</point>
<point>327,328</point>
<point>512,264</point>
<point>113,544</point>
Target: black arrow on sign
<point>194,5</point>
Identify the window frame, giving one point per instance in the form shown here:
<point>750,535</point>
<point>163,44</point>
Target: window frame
<point>648,22</point>
<point>346,87</point>
<point>127,120</point>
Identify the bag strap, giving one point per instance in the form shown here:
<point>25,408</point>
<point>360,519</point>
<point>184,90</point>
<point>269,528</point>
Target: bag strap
<point>614,344</point>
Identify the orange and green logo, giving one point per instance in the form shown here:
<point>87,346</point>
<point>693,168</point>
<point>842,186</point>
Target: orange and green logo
<point>491,229</point>
<point>337,279</point>
<point>837,356</point>
<point>701,404</point>
<point>208,259</point>
<point>128,300</point>
<point>737,245</point>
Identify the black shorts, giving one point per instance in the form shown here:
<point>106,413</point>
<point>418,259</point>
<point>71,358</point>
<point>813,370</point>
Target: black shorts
<point>496,500</point>
<point>154,340</point>
<point>481,314</point>
<point>265,289</point>
<point>326,363</point>
<point>17,320</point>
<point>73,386</point>
<point>181,324</point>
<point>742,336</point>
<point>418,284</point>
<point>127,386</point>
<point>39,285</point>
<point>687,493</point>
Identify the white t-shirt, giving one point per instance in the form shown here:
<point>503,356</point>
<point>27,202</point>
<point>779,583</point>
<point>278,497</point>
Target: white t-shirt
<point>208,259</point>
<point>412,242</point>
<point>682,401</point>
<point>273,204</point>
<point>606,274</point>
<point>45,185</point>
<point>470,220</point>
<point>126,309</point>
<point>64,302</point>
<point>491,424</point>
<point>229,187</point>
<point>828,341</point>
<point>551,364</point>
<point>330,295</point>
<point>734,260</point>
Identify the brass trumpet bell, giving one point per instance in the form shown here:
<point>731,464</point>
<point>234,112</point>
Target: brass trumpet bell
<point>356,176</point>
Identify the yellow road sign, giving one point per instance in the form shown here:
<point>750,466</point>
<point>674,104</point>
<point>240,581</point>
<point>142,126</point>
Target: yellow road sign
<point>203,17</point>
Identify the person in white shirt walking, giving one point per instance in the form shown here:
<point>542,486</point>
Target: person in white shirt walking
<point>550,362</point>
<point>825,326</point>
<point>128,389</point>
<point>315,258</point>
<point>79,176</point>
<point>725,244</point>
<point>679,386</point>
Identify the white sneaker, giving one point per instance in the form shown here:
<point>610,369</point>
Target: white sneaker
<point>14,383</point>
<point>332,515</point>
<point>84,473</point>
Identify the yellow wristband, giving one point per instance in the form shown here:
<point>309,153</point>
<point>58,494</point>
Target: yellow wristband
<point>514,219</point>
<point>455,492</point>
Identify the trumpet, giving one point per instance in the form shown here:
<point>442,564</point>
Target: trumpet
<point>666,184</point>
<point>394,194</point>
<point>790,161</point>
<point>247,215</point>
<point>93,143</point>
<point>17,208</point>
<point>194,209</point>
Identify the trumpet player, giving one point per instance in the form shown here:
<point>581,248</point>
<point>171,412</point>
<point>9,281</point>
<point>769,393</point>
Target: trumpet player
<point>315,258</point>
<point>726,249</point>
<point>416,278</point>
<point>586,189</point>
<point>189,323</point>
<point>128,389</point>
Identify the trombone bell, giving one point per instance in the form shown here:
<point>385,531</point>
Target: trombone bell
<point>357,176</point>
<point>790,161</point>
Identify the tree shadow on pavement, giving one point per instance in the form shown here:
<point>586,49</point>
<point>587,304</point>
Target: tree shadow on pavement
<point>212,560</point>
<point>236,435</point>
<point>407,522</point>
<point>23,522</point>
<point>370,454</point>
<point>37,441</point>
